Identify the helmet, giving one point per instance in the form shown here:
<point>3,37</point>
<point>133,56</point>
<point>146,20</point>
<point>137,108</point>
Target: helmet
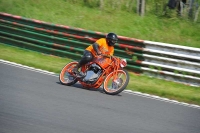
<point>111,39</point>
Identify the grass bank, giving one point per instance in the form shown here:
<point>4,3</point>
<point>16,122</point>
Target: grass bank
<point>70,12</point>
<point>141,83</point>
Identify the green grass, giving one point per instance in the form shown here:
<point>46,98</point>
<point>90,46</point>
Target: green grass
<point>153,28</point>
<point>34,59</point>
<point>140,83</point>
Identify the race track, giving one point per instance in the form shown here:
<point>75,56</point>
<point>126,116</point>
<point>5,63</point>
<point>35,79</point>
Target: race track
<point>35,102</point>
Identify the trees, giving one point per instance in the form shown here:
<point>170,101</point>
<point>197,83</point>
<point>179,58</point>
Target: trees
<point>141,7</point>
<point>187,9</point>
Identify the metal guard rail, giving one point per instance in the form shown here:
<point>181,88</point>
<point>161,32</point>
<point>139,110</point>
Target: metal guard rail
<point>161,60</point>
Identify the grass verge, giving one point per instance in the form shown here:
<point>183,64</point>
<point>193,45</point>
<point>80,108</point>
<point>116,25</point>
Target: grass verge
<point>140,83</point>
<point>150,27</point>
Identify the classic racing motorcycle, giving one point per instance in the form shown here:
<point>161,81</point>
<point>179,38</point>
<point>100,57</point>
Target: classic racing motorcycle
<point>105,71</point>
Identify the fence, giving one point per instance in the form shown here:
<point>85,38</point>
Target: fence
<point>161,60</point>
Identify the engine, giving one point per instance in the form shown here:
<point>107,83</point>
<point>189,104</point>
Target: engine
<point>92,74</point>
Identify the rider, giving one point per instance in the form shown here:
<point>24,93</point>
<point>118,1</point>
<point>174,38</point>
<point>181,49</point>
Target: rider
<point>101,46</point>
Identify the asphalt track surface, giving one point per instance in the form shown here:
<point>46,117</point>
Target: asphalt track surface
<point>32,102</point>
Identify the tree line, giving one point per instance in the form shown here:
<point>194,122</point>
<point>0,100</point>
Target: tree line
<point>188,9</point>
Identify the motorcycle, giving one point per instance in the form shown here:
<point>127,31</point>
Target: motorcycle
<point>106,71</point>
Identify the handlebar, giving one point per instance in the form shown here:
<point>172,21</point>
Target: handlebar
<point>105,55</point>
<point>115,59</point>
<point>108,56</point>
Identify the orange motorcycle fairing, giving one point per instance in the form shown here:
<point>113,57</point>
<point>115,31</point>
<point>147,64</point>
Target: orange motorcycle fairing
<point>103,62</point>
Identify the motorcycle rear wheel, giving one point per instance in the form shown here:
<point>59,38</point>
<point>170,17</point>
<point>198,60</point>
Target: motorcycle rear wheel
<point>114,87</point>
<point>65,77</point>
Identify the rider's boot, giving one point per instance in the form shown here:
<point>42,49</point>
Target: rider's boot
<point>75,70</point>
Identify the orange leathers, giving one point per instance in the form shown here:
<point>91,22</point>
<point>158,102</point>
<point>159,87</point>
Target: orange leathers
<point>103,47</point>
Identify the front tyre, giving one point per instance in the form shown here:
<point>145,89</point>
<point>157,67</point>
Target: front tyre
<point>113,86</point>
<point>65,77</point>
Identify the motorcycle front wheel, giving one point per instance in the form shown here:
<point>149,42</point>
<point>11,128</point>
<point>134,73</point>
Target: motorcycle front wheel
<point>113,86</point>
<point>65,77</point>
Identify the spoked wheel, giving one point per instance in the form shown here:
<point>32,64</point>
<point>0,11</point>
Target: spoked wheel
<point>65,77</point>
<point>115,86</point>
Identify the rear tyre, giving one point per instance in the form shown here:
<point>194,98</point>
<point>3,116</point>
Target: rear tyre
<point>65,77</point>
<point>114,87</point>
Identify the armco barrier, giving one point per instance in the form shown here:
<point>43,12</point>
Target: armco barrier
<point>161,60</point>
